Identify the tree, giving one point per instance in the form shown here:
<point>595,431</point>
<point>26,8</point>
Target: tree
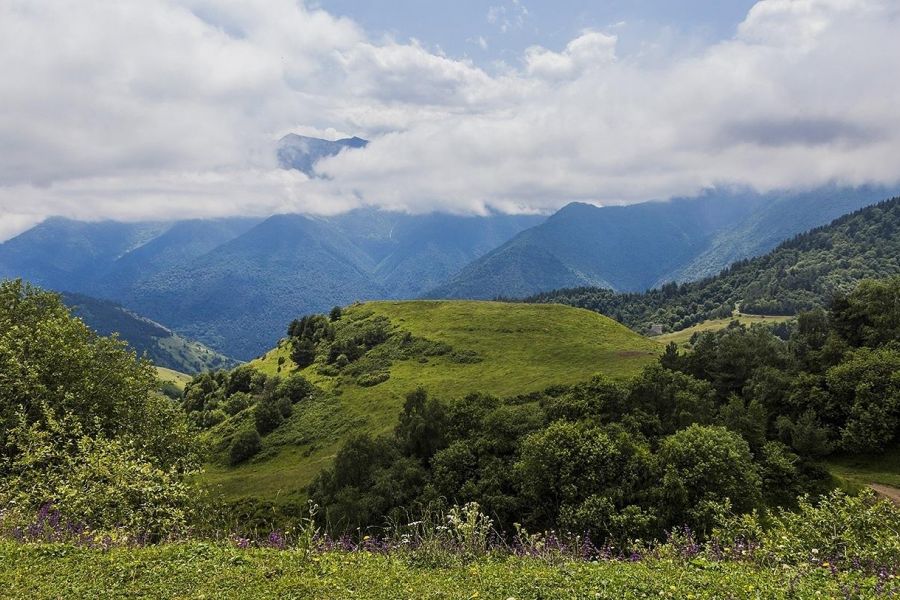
<point>601,399</point>
<point>303,352</point>
<point>52,364</point>
<point>81,423</point>
<point>870,315</point>
<point>245,444</point>
<point>295,388</point>
<point>703,468</point>
<point>748,419</point>
<point>674,399</point>
<point>421,428</point>
<point>268,415</point>
<point>564,464</point>
<point>866,388</point>
<point>335,314</point>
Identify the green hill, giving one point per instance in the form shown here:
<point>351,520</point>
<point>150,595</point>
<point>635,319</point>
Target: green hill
<point>450,348</point>
<point>800,274</point>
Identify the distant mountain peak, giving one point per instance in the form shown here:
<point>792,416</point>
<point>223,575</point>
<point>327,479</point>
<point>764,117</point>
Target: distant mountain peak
<point>302,152</point>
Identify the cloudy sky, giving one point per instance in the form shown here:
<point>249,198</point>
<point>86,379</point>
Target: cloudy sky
<point>159,109</point>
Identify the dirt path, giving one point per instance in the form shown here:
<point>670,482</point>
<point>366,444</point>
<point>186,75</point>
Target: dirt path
<point>886,491</point>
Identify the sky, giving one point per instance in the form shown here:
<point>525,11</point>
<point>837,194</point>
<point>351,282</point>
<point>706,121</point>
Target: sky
<point>168,109</point>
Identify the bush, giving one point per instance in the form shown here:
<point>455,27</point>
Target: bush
<point>858,531</point>
<point>246,444</point>
<point>268,415</point>
<point>237,402</point>
<point>104,484</point>
<point>303,352</point>
<point>372,379</point>
<point>704,470</point>
<point>295,388</point>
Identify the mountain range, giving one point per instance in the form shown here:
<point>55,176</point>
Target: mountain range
<point>806,272</point>
<point>642,246</point>
<point>233,283</point>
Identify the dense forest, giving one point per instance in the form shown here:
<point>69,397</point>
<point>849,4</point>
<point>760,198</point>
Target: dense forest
<point>801,274</point>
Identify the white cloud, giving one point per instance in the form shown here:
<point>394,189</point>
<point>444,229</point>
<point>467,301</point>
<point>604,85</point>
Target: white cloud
<point>591,49</point>
<point>162,108</point>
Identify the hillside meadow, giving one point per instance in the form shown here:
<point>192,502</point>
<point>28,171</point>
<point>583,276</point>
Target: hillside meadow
<point>514,349</point>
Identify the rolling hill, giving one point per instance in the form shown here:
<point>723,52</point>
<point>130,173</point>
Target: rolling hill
<point>452,348</point>
<point>163,347</point>
<point>641,246</point>
<point>802,273</point>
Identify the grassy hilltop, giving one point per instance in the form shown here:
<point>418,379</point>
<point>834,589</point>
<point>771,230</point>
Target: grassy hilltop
<point>497,348</point>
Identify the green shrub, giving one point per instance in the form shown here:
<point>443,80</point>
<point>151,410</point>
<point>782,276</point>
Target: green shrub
<point>105,484</point>
<point>705,470</point>
<point>303,352</point>
<point>246,444</point>
<point>850,530</point>
<point>295,388</point>
<point>268,415</point>
<point>237,402</point>
<point>372,379</point>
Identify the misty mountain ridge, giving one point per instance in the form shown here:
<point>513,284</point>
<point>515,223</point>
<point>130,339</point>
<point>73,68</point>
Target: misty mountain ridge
<point>301,153</point>
<point>233,283</point>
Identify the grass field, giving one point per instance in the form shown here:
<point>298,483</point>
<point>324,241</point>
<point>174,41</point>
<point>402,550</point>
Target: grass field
<point>169,376</point>
<point>523,348</point>
<point>859,471</point>
<point>683,337</point>
<point>210,571</point>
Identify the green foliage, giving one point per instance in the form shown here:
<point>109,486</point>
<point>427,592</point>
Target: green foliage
<point>369,480</point>
<point>107,484</point>
<point>706,469</point>
<point>421,425</point>
<point>575,472</point>
<point>54,366</point>
<point>303,352</point>
<point>268,415</point>
<point>335,314</point>
<point>870,316</point>
<point>865,387</point>
<point>82,426</point>
<point>244,445</point>
<point>847,530</point>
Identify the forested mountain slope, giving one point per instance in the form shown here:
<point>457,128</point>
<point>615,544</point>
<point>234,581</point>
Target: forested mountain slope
<point>363,363</point>
<point>637,247</point>
<point>800,274</point>
<point>233,283</point>
<point>162,346</point>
